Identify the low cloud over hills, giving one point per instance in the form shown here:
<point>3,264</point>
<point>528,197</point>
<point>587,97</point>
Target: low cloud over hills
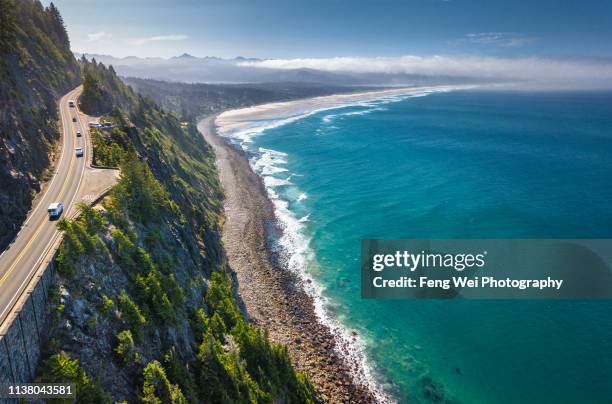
<point>527,72</point>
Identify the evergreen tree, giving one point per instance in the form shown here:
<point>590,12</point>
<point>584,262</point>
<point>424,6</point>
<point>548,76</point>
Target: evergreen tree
<point>157,388</point>
<point>61,368</point>
<point>58,25</point>
<point>7,25</point>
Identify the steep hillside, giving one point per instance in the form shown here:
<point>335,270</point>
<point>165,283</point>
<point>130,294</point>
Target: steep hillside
<point>101,90</point>
<point>192,100</point>
<point>143,307</point>
<point>36,67</point>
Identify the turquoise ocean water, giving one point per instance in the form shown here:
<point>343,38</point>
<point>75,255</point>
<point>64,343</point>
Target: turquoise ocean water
<point>462,164</point>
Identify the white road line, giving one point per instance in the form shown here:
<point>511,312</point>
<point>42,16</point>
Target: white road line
<point>49,186</point>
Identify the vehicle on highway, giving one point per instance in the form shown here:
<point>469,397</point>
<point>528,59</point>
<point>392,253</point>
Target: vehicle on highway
<point>71,104</point>
<point>74,119</point>
<point>79,151</point>
<point>55,210</point>
<point>78,133</point>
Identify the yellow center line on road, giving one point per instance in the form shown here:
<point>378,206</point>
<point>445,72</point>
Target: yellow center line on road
<point>41,225</point>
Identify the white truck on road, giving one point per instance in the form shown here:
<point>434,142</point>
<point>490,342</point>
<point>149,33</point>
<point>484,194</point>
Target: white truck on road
<point>55,210</point>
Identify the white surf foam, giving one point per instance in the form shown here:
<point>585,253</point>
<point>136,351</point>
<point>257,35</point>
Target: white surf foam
<point>331,117</point>
<point>268,162</point>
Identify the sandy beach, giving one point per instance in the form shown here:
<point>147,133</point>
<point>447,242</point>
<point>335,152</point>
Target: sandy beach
<point>271,296</point>
<point>239,119</point>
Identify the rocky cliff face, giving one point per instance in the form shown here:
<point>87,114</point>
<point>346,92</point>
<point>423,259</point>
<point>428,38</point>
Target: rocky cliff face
<point>36,67</point>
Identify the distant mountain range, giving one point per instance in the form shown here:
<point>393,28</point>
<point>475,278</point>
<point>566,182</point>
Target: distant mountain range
<point>191,69</point>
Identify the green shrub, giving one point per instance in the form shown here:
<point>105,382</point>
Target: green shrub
<point>223,377</point>
<point>77,242</point>
<point>90,218</point>
<point>157,388</point>
<point>125,348</point>
<point>70,249</point>
<point>220,299</point>
<point>61,368</point>
<point>126,251</point>
<point>270,366</point>
<point>267,365</point>
<point>160,293</point>
<point>178,371</point>
<point>139,193</point>
<point>200,324</point>
<point>106,305</point>
<point>112,149</point>
<point>151,290</point>
<point>217,327</point>
<point>132,315</point>
<point>7,26</point>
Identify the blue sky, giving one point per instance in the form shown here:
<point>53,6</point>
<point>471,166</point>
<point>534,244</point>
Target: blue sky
<point>328,28</point>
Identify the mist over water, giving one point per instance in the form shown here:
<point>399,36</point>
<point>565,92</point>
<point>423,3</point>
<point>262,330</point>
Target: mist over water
<point>463,164</point>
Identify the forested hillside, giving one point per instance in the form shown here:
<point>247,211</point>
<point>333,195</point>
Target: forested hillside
<point>190,101</point>
<point>143,308</point>
<point>101,91</point>
<point>36,68</point>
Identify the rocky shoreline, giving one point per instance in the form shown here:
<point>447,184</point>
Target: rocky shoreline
<point>271,295</point>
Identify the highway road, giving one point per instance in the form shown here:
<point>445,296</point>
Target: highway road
<point>19,262</point>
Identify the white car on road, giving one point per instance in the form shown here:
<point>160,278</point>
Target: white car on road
<point>79,151</point>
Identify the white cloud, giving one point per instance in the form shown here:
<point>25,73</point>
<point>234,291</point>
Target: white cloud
<point>160,38</point>
<point>503,39</point>
<point>98,36</point>
<point>173,37</point>
<point>497,68</point>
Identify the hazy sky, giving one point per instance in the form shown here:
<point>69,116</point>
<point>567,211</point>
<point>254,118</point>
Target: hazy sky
<point>328,28</point>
